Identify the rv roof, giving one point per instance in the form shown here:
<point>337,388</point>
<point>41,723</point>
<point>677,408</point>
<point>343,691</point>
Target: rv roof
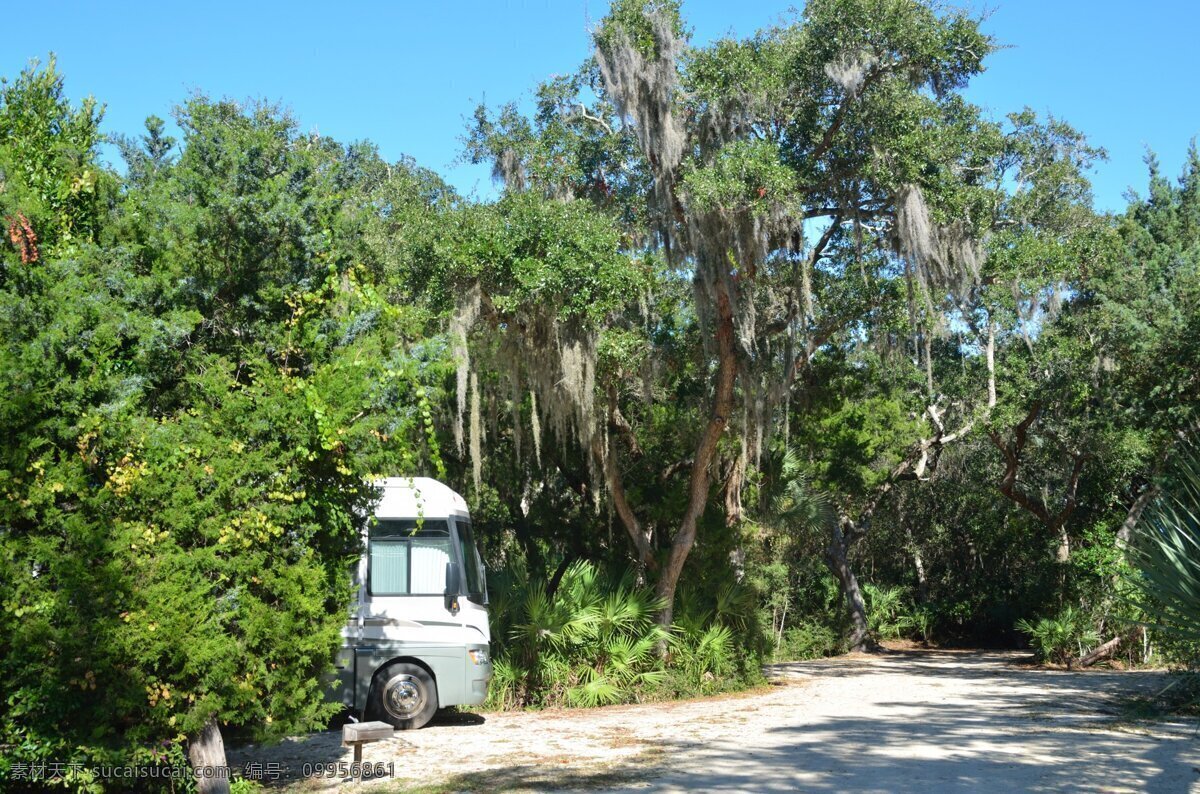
<point>409,497</point>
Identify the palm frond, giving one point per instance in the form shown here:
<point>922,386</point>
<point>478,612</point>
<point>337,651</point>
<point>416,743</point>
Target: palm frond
<point>799,507</point>
<point>1167,553</point>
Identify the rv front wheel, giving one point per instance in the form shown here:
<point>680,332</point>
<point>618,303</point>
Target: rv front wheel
<point>402,695</point>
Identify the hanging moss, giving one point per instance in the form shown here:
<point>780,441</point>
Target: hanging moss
<point>642,81</point>
<point>946,258</point>
<point>849,70</point>
<point>476,434</point>
<point>535,425</point>
<point>509,170</point>
<point>466,312</point>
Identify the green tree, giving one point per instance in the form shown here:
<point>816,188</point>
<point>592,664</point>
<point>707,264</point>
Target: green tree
<point>195,397</point>
<point>821,184</point>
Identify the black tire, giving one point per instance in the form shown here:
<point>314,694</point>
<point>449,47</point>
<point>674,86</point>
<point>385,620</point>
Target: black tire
<point>402,695</point>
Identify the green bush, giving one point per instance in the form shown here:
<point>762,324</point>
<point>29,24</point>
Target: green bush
<point>595,641</point>
<point>591,642</point>
<point>1063,638</point>
<point>921,623</point>
<point>887,615</point>
<point>810,639</point>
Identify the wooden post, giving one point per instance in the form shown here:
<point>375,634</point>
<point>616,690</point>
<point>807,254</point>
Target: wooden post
<point>356,734</point>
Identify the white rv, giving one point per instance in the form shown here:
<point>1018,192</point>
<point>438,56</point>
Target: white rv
<point>418,638</point>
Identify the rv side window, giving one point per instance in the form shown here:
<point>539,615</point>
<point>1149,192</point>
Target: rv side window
<point>476,591</point>
<point>407,559</point>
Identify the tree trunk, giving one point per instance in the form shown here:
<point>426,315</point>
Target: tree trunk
<point>991,364</point>
<point>206,751</point>
<point>837,558</point>
<point>1125,533</point>
<point>1063,553</point>
<point>616,488</point>
<point>607,458</point>
<point>1102,652</point>
<point>919,564</point>
<point>733,490</point>
<point>782,626</point>
<point>706,448</point>
<point>918,561</point>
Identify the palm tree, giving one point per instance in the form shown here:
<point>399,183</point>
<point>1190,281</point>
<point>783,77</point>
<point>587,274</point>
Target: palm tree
<point>1167,553</point>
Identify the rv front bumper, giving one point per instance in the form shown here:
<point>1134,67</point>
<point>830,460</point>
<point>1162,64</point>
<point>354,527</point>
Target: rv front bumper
<point>479,673</point>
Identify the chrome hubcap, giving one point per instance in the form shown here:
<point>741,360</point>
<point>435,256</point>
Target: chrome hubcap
<point>403,696</point>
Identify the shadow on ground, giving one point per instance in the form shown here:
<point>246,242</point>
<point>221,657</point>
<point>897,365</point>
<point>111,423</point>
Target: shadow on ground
<point>318,756</point>
<point>954,721</point>
<point>906,721</point>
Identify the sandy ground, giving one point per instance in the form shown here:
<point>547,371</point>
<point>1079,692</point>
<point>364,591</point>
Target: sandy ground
<point>906,721</point>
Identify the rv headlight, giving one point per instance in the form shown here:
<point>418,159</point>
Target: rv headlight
<point>478,655</point>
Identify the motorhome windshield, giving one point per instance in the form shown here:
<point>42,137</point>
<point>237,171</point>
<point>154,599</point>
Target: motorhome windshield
<point>408,557</point>
<point>472,567</point>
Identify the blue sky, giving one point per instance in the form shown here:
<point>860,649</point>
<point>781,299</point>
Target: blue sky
<point>406,75</point>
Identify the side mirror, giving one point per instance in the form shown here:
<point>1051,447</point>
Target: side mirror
<point>453,586</point>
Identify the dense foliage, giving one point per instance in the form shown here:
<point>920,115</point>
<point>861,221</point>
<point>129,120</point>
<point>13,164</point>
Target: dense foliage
<point>1168,555</point>
<point>887,338</point>
<point>198,376</point>
<point>770,347</point>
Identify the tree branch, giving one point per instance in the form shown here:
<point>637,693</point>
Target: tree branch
<point>1012,465</point>
<point>618,422</point>
<point>583,114</point>
<point>616,487</point>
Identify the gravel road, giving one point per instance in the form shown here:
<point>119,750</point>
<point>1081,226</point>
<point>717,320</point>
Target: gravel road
<point>905,721</point>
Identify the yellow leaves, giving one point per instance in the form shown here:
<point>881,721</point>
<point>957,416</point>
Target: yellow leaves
<point>194,452</point>
<point>155,692</point>
<point>125,474</point>
<point>237,447</point>
<point>130,617</point>
<point>145,535</point>
<point>250,529</point>
<point>84,445</point>
<point>36,490</point>
<point>84,183</point>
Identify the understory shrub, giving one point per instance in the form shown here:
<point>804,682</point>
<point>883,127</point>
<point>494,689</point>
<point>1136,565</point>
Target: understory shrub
<point>591,641</point>
<point>887,615</point>
<point>810,639</point>
<point>1063,638</point>
<point>594,640</point>
<point>891,614</point>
